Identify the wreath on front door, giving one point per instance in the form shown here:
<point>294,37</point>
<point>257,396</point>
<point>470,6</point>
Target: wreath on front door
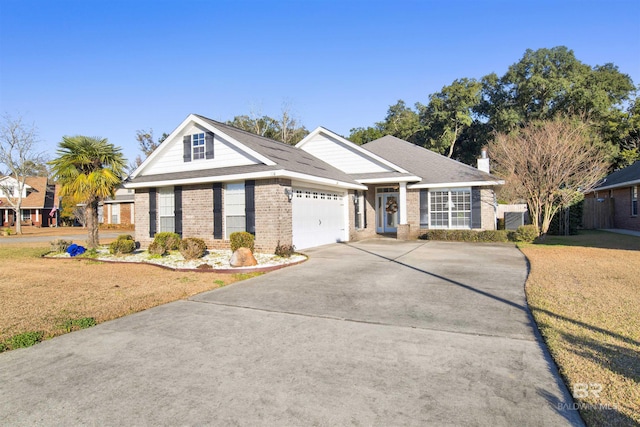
<point>392,205</point>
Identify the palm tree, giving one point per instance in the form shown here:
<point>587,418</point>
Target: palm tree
<point>89,170</point>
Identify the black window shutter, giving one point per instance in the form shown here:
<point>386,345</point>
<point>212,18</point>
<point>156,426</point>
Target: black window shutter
<point>250,206</point>
<point>152,212</point>
<point>177,201</point>
<point>186,142</point>
<point>364,208</point>
<point>217,210</point>
<point>424,208</point>
<point>356,208</point>
<point>209,145</point>
<point>476,208</point>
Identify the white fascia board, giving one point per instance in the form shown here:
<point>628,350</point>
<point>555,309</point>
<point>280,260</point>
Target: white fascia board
<point>621,185</point>
<point>321,181</point>
<point>245,176</point>
<point>395,180</point>
<point>457,184</point>
<point>351,145</point>
<point>203,179</point>
<point>193,118</point>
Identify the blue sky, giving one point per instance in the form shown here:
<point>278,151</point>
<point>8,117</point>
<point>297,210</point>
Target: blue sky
<point>108,68</point>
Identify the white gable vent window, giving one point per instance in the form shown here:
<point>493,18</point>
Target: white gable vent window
<point>197,142</point>
<point>234,207</point>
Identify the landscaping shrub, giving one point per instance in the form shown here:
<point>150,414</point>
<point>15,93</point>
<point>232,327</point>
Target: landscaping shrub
<point>241,239</point>
<point>493,236</point>
<point>466,235</point>
<point>192,248</point>
<point>122,246</point>
<point>170,241</point>
<point>25,339</point>
<point>570,216</point>
<point>284,251</point>
<point>525,233</point>
<point>156,248</point>
<point>59,245</point>
<point>125,237</point>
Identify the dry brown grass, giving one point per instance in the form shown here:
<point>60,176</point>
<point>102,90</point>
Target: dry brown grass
<point>39,294</point>
<point>586,302</point>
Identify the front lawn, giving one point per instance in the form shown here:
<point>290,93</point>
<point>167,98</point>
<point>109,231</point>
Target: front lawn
<point>48,297</point>
<point>584,293</point>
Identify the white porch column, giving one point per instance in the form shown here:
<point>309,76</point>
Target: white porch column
<point>37,215</point>
<point>403,203</point>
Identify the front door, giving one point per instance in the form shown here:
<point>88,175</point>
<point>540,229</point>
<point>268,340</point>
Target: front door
<point>387,213</point>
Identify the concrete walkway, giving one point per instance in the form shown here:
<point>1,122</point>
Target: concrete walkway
<point>373,333</point>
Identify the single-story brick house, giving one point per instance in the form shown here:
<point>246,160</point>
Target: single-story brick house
<point>39,202</point>
<point>620,189</point>
<point>118,210</point>
<point>209,179</point>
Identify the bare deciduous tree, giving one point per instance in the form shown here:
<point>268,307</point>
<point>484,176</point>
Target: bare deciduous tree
<point>550,164</point>
<point>19,159</point>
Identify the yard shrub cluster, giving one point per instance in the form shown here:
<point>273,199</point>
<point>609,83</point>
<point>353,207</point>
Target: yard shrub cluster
<point>192,248</point>
<point>284,251</point>
<point>524,233</point>
<point>241,239</point>
<point>59,245</point>
<point>170,241</point>
<point>124,244</point>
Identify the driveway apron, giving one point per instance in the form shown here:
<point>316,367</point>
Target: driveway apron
<point>378,332</point>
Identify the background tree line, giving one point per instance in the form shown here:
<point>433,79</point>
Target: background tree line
<point>544,84</point>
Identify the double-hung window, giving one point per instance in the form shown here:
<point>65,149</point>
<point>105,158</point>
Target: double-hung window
<point>197,146</point>
<point>447,209</point>
<point>26,215</point>
<point>634,200</point>
<point>166,209</point>
<point>234,207</point>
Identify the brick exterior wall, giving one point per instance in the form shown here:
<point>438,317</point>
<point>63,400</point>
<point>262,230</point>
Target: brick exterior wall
<point>488,209</point>
<point>622,217</point>
<point>142,217</point>
<point>273,214</point>
<point>272,207</point>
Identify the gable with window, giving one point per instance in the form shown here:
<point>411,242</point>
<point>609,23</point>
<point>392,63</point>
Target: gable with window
<point>198,146</point>
<point>445,208</point>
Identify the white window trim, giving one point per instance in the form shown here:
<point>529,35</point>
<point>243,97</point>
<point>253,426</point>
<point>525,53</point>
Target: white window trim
<point>449,191</point>
<point>231,210</point>
<point>193,146</point>
<point>163,194</point>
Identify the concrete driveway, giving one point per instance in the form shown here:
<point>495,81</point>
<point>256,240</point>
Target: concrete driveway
<point>372,333</point>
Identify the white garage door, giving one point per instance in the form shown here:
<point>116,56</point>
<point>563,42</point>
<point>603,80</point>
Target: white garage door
<point>318,217</point>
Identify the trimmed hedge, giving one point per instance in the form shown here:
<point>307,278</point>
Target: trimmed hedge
<point>241,239</point>
<point>524,233</point>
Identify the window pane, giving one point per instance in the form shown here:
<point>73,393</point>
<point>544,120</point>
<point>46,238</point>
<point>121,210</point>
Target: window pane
<point>235,223</point>
<point>166,209</point>
<point>234,207</point>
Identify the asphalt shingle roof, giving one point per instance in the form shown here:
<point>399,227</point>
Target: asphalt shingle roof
<point>40,197</point>
<point>432,167</point>
<point>620,177</point>
<point>286,156</point>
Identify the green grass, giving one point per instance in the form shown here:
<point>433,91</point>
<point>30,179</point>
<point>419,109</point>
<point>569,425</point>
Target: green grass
<point>16,252</point>
<point>595,239</point>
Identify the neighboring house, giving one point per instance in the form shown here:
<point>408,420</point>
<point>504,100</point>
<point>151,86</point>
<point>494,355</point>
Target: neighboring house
<point>208,179</point>
<point>615,201</point>
<point>120,209</point>
<point>39,202</point>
